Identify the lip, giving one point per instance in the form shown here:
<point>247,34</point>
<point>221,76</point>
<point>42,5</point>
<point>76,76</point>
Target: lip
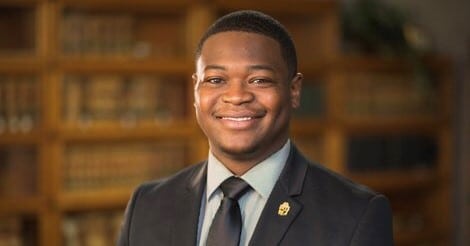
<point>239,120</point>
<point>239,114</point>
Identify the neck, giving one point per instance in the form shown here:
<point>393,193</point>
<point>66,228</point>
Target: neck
<point>237,167</point>
<point>240,164</point>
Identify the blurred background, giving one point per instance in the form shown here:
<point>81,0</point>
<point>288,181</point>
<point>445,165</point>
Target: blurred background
<point>96,97</point>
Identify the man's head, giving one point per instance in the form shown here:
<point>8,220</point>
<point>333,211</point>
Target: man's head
<point>255,22</point>
<point>244,89</point>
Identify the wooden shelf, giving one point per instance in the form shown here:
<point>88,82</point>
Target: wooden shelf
<point>22,205</point>
<point>96,199</point>
<point>20,63</point>
<point>20,138</point>
<point>397,180</point>
<point>158,6</point>
<point>308,126</point>
<point>115,131</point>
<point>298,6</point>
<point>21,3</point>
<point>122,64</point>
<point>383,64</point>
<point>391,124</point>
<point>315,66</point>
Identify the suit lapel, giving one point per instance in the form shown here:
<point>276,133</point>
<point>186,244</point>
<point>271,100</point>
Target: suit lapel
<point>184,231</point>
<point>274,223</point>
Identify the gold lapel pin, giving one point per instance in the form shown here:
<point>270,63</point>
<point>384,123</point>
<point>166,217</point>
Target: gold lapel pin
<point>283,209</point>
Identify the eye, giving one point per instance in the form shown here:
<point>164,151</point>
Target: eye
<point>261,81</point>
<point>214,80</point>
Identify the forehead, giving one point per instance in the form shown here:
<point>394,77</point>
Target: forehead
<point>241,47</point>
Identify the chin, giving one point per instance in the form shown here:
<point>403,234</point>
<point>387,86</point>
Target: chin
<point>237,150</point>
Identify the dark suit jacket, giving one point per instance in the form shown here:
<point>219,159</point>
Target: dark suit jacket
<point>325,209</point>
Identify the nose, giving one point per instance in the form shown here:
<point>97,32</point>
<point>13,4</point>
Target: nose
<point>237,93</point>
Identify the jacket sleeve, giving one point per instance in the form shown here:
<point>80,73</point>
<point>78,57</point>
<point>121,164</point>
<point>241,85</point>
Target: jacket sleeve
<point>123,239</point>
<point>375,226</point>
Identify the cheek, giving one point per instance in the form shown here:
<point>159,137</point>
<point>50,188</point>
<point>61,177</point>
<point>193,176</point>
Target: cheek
<point>275,102</point>
<point>204,100</point>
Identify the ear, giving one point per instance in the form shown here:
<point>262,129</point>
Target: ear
<point>195,96</point>
<point>194,78</point>
<point>295,90</point>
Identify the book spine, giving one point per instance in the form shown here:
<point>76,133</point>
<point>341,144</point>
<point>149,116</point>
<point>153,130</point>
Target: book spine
<point>120,165</point>
<point>18,104</point>
<point>87,34</point>
<point>11,231</point>
<point>381,94</point>
<point>128,100</point>
<point>18,171</point>
<point>387,152</point>
<point>92,228</point>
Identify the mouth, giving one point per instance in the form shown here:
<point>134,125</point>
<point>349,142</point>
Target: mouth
<point>240,119</point>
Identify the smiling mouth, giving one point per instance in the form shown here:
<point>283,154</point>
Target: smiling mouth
<point>244,118</point>
<point>239,121</point>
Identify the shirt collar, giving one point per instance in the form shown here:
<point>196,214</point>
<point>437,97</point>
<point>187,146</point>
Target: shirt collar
<point>262,177</point>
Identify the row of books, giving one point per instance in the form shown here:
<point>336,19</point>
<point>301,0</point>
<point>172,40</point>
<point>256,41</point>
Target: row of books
<point>391,152</point>
<point>390,94</point>
<point>92,228</point>
<point>18,103</point>
<point>16,29</point>
<point>90,167</point>
<point>124,99</point>
<point>120,34</point>
<point>18,171</point>
<point>16,231</point>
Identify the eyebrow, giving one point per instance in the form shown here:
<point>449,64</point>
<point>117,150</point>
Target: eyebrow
<point>214,67</point>
<point>261,67</point>
<point>250,68</point>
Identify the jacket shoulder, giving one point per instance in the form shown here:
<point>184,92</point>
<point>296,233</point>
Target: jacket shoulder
<point>331,200</point>
<point>329,181</point>
<point>333,192</point>
<point>171,183</point>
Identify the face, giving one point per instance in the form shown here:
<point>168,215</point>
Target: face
<point>244,95</point>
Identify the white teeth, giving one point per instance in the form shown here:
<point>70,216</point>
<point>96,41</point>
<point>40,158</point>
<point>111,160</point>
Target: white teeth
<point>237,118</point>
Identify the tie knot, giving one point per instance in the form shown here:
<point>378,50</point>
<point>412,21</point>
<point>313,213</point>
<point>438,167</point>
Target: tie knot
<point>234,187</point>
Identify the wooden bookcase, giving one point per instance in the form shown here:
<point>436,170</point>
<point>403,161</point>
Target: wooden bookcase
<point>92,93</point>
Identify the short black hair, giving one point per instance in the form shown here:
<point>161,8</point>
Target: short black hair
<point>252,21</point>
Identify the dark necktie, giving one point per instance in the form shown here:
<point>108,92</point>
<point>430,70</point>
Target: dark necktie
<point>227,224</point>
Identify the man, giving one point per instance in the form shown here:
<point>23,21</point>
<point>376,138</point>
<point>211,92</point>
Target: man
<point>246,86</point>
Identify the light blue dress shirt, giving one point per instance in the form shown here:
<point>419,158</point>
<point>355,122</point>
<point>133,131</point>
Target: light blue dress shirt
<point>261,178</point>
